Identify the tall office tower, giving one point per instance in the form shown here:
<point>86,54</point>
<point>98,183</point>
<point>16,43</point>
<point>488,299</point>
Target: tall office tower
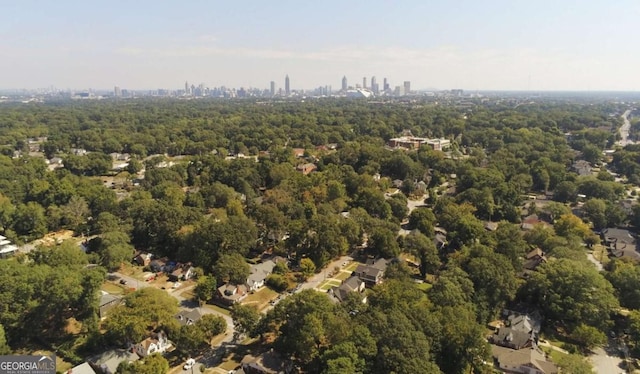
<point>272,88</point>
<point>117,92</point>
<point>385,86</point>
<point>374,86</point>
<point>186,88</point>
<point>407,87</point>
<point>287,88</point>
<point>344,83</point>
<point>364,82</point>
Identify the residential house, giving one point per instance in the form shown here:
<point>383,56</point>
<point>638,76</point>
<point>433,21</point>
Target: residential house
<point>189,317</point>
<point>83,368</point>
<point>530,360</point>
<point>143,259</point>
<point>159,265</point>
<point>440,238</point>
<point>621,243</point>
<point>108,302</point>
<point>6,248</point>
<point>530,221</point>
<point>532,260</point>
<point>182,272</point>
<point>158,343</point>
<point>350,285</point>
<point>306,168</point>
<point>266,363</point>
<point>230,294</point>
<point>372,272</point>
<point>298,152</point>
<point>582,167</point>
<point>108,361</point>
<point>259,273</point>
<point>511,338</point>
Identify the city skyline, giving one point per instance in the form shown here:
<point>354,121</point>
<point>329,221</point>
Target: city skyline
<point>494,45</point>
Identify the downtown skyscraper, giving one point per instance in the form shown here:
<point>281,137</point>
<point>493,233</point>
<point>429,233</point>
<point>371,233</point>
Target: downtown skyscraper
<point>287,87</point>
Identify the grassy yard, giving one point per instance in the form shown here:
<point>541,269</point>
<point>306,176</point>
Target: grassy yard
<point>424,286</point>
<point>218,309</point>
<point>328,284</point>
<point>342,275</point>
<point>600,253</point>
<point>113,289</point>
<point>555,355</point>
<point>132,271</point>
<point>260,298</point>
<point>352,266</point>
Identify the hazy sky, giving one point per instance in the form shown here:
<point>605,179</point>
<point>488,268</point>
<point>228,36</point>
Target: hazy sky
<point>490,44</point>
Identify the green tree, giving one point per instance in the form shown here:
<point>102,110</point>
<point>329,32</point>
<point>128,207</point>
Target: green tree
<point>205,288</point>
<point>425,250</point>
<point>423,220</point>
<point>596,212</point>
<point>574,364</point>
<point>143,309</point>
<point>572,293</point>
<point>212,325</point>
<point>4,347</point>
<point>588,337</point>
<point>232,268</point>
<point>382,242</point>
<point>625,278</point>
<point>307,267</point>
<point>245,319</point>
<point>153,364</point>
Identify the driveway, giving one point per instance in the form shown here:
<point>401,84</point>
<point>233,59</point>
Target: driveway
<point>607,360</point>
<point>131,281</point>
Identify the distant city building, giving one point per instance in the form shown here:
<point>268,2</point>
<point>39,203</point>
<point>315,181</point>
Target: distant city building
<point>287,87</point>
<point>187,90</point>
<point>117,92</point>
<point>374,86</point>
<point>344,83</point>
<point>364,82</point>
<point>407,87</point>
<point>272,88</point>
<point>385,86</point>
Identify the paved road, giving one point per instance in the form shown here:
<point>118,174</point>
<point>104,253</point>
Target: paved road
<point>606,361</point>
<point>624,130</point>
<point>131,281</point>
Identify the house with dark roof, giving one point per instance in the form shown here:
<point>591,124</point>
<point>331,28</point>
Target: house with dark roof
<point>189,317</point>
<point>306,168</point>
<point>108,302</point>
<point>372,272</point>
<point>532,260</point>
<point>511,338</point>
<point>349,286</point>
<point>582,168</point>
<point>621,243</point>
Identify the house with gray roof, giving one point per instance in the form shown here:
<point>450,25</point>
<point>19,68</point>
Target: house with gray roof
<point>189,316</point>
<point>372,272</point>
<point>530,360</point>
<point>259,273</point>
<point>107,362</point>
<point>621,243</point>
<point>350,285</point>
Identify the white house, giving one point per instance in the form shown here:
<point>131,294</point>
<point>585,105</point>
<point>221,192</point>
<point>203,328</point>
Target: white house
<point>154,344</point>
<point>259,274</point>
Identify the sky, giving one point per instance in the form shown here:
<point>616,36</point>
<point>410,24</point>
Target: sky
<point>538,45</point>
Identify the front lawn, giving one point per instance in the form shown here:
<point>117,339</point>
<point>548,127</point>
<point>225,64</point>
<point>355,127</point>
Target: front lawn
<point>260,299</point>
<point>328,284</point>
<point>113,289</point>
<point>352,267</point>
<point>342,275</point>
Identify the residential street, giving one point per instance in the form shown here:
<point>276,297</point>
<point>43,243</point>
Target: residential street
<point>624,130</point>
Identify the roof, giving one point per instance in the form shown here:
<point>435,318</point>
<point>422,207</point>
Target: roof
<point>259,272</point>
<point>108,299</point>
<point>351,284</point>
<point>528,356</point>
<point>524,323</point>
<point>193,315</point>
<point>83,368</point>
<point>509,337</point>
<point>112,358</point>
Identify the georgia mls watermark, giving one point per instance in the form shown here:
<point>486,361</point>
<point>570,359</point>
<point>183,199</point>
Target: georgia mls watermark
<point>27,364</point>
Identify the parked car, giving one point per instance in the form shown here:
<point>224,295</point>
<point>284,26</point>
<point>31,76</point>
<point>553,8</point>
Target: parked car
<point>122,281</point>
<point>189,364</point>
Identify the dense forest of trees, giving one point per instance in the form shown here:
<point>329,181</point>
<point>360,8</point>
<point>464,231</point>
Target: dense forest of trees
<point>216,211</point>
